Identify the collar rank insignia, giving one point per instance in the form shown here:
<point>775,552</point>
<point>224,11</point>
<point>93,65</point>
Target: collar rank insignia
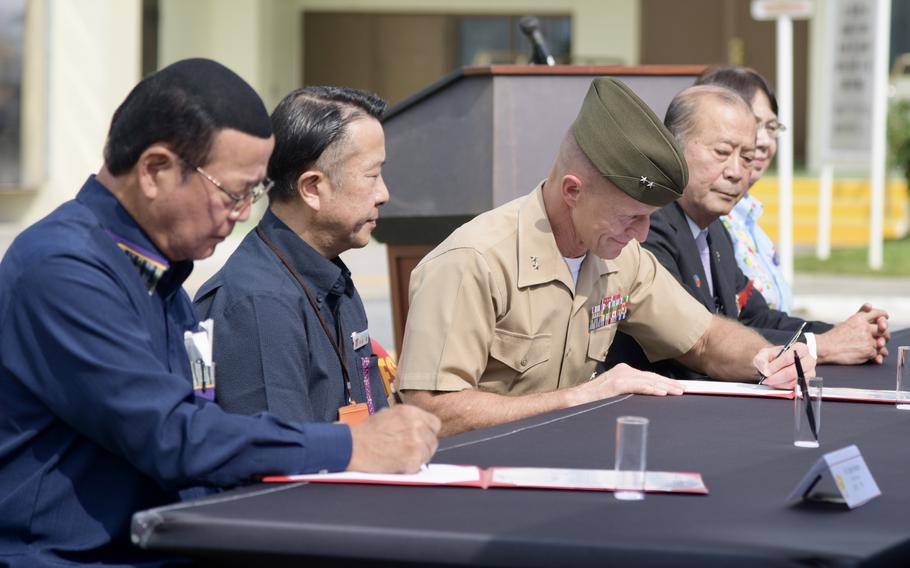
<point>610,310</point>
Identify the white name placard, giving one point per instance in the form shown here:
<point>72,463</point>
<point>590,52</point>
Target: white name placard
<point>360,338</point>
<point>847,468</point>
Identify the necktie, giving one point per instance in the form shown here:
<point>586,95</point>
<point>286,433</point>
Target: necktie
<point>701,241</point>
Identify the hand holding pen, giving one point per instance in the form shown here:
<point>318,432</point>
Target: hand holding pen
<point>776,365</point>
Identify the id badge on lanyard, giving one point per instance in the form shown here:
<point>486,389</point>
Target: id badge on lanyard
<point>353,413</point>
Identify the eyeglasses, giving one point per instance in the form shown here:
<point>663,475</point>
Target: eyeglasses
<point>241,201</point>
<point>773,128</point>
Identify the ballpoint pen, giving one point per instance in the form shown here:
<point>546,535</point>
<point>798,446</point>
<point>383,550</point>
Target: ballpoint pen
<point>786,347</point>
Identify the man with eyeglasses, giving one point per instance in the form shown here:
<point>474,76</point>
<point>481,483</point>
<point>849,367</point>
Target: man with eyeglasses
<point>291,332</point>
<point>717,130</point>
<point>98,413</point>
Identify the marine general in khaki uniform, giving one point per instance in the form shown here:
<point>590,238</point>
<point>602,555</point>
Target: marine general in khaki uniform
<point>510,315</point>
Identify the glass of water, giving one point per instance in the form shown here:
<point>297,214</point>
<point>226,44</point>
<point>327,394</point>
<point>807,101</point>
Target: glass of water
<point>903,378</point>
<point>631,457</point>
<point>807,415</point>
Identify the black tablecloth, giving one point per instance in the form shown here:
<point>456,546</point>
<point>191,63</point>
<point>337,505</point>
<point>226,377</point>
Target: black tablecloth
<point>743,448</point>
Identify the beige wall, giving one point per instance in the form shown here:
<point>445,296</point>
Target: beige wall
<point>229,31</point>
<point>262,40</point>
<point>602,29</point>
<point>83,57</point>
<point>81,60</point>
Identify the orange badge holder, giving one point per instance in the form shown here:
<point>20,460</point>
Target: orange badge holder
<point>353,413</point>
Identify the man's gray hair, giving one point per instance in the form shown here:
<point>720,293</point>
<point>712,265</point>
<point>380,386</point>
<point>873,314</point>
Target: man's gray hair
<point>681,114</point>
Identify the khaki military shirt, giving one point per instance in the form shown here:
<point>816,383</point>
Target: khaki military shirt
<point>494,307</point>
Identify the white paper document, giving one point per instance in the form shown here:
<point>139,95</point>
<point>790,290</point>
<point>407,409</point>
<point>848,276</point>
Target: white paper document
<point>434,474</point>
<point>847,394</point>
<point>734,389</point>
<point>594,479</point>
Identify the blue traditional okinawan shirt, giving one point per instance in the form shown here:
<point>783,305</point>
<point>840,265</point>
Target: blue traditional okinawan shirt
<point>756,255</point>
<point>98,418</point>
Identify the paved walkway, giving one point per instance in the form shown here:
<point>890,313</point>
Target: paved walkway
<point>833,298</point>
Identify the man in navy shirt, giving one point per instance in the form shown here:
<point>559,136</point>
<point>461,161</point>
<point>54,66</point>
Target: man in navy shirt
<point>98,417</point>
<point>291,333</point>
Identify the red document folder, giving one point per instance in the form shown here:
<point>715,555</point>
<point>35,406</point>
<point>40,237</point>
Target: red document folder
<point>520,477</point>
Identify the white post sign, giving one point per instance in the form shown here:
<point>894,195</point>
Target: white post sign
<point>856,63</point>
<point>784,12</point>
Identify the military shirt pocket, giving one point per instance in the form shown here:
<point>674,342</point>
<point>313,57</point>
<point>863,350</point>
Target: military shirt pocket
<point>599,342</point>
<point>519,351</point>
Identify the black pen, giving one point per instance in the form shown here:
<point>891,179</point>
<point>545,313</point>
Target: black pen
<point>804,388</point>
<point>786,347</point>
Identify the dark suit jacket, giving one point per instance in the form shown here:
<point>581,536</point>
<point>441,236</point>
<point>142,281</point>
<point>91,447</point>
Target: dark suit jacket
<point>671,241</point>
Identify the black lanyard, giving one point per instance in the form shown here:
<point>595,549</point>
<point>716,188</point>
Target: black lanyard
<point>339,351</point>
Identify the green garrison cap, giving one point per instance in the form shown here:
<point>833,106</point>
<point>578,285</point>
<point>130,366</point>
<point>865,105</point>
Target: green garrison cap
<point>629,145</point>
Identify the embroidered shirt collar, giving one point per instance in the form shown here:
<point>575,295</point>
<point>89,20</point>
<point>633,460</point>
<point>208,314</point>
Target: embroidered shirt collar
<point>155,270</point>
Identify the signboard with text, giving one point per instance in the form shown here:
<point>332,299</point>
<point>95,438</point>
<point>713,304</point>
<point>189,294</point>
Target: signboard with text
<point>849,81</point>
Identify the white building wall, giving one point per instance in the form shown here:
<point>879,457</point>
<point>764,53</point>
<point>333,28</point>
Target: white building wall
<point>82,58</point>
<point>262,39</point>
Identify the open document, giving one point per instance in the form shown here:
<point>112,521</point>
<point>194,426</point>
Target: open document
<point>828,393</point>
<point>523,477</point>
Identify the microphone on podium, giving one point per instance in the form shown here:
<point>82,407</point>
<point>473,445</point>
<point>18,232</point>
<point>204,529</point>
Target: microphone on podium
<point>530,26</point>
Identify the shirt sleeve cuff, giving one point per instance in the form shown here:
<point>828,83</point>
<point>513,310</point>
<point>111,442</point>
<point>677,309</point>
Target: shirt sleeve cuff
<point>328,447</point>
<point>811,344</point>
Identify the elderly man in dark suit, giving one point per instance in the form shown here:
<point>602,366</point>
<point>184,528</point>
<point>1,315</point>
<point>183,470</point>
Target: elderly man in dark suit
<point>717,131</point>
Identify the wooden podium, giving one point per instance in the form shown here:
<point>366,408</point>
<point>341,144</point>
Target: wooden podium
<point>479,138</point>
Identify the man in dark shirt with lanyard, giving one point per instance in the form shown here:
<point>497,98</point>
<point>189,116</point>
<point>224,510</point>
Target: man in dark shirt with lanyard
<point>98,415</point>
<point>291,331</point>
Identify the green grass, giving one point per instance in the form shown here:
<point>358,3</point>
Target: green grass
<point>854,260</point>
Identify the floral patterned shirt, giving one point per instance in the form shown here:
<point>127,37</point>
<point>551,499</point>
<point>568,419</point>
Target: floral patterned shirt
<point>756,255</point>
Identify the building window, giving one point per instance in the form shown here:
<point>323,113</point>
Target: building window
<point>488,40</point>
<point>12,27</point>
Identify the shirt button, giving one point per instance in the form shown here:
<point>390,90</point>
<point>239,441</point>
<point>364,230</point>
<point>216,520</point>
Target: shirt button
<point>524,362</point>
<point>318,299</point>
